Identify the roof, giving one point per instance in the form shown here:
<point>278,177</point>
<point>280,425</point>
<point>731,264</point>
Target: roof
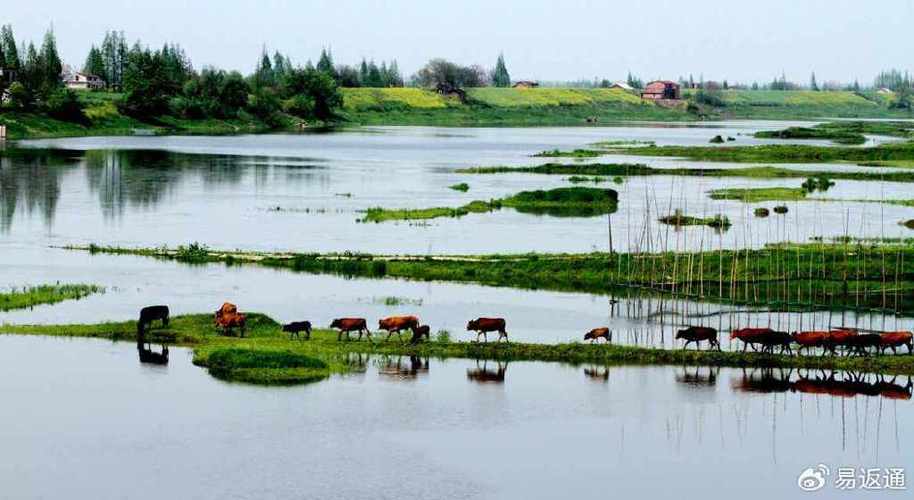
<point>659,86</point>
<point>622,85</point>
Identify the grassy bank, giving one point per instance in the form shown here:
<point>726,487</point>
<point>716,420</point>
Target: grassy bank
<point>755,195</point>
<point>680,219</point>
<point>782,153</point>
<point>269,357</point>
<point>843,132</point>
<point>559,202</point>
<point>45,294</point>
<point>838,276</point>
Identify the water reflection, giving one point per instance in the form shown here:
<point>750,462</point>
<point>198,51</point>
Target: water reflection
<point>31,180</point>
<point>398,368</point>
<point>482,374</point>
<point>597,373</point>
<point>698,377</point>
<point>148,355</point>
<point>835,384</point>
<point>131,178</point>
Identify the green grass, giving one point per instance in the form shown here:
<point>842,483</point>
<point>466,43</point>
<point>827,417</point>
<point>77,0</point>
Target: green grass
<point>781,153</point>
<point>782,105</point>
<point>863,276</point>
<point>273,359</point>
<point>639,169</point>
<point>755,195</point>
<point>559,202</point>
<point>843,132</point>
<point>463,187</point>
<point>45,294</point>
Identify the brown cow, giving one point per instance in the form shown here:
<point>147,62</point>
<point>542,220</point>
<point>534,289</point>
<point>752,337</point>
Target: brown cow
<point>346,325</point>
<point>811,340</point>
<point>484,325</point>
<point>398,324</point>
<point>697,334</point>
<point>228,317</point>
<point>839,338</point>
<point>750,336</point>
<point>599,333</point>
<point>896,339</point>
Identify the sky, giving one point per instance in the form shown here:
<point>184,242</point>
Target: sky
<point>545,40</point>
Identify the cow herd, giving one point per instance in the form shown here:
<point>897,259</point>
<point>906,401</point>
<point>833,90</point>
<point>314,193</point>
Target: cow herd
<point>848,341</point>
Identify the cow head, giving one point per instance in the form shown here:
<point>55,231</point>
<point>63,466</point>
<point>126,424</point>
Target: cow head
<point>473,325</point>
<point>336,324</point>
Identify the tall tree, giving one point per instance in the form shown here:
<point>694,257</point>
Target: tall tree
<point>11,53</point>
<point>51,67</point>
<point>501,78</point>
<point>95,63</point>
<point>812,82</point>
<point>263,75</point>
<point>325,63</point>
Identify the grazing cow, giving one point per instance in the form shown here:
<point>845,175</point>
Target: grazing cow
<point>484,325</point>
<point>810,340</point>
<point>398,324</point>
<point>896,339</point>
<point>697,334</point>
<point>228,317</point>
<point>296,327</point>
<point>599,333</point>
<point>418,333</point>
<point>149,314</point>
<point>861,343</point>
<point>346,325</point>
<point>750,336</point>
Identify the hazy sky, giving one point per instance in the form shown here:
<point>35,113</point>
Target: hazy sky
<point>541,39</point>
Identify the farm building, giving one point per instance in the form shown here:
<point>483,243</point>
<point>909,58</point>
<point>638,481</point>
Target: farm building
<point>83,81</point>
<point>525,84</point>
<point>661,90</point>
<point>622,85</point>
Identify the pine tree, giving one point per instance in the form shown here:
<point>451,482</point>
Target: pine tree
<point>51,67</point>
<point>812,82</point>
<point>501,78</point>
<point>263,75</point>
<point>95,63</point>
<point>325,63</point>
<point>393,75</point>
<point>363,73</point>
<point>8,40</point>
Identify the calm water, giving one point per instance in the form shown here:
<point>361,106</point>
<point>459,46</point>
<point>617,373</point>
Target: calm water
<point>84,419</point>
<point>223,191</point>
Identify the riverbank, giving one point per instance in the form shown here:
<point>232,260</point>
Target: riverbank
<point>860,276</point>
<point>266,355</point>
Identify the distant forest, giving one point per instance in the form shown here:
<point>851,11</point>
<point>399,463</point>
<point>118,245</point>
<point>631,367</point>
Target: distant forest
<point>163,81</point>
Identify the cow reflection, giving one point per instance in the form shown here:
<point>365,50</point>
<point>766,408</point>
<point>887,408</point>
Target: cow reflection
<point>484,375</point>
<point>597,373</point>
<point>147,355</point>
<point>845,385</point>
<point>697,377</point>
<point>357,362</point>
<point>763,380</point>
<point>397,368</point>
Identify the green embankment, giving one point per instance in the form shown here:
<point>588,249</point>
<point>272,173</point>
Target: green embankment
<point>268,356</point>
<point>559,202</point>
<point>837,276</point>
<point>45,294</point>
<point>781,104</point>
<point>755,195</point>
<point>843,132</point>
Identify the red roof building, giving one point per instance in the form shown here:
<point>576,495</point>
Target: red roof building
<point>661,89</point>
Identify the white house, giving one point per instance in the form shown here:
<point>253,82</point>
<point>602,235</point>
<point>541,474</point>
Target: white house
<point>621,85</point>
<point>83,81</point>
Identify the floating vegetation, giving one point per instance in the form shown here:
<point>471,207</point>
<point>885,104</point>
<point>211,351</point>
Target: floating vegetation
<point>780,209</point>
<point>559,202</point>
<point>908,223</point>
<point>577,153</point>
<point>820,183</point>
<point>462,187</point>
<point>622,143</point>
<point>843,132</point>
<point>396,301</point>
<point>30,296</point>
<point>580,179</point>
<point>679,219</point>
<point>640,169</point>
<point>717,139</point>
<point>781,153</point>
<point>761,212</point>
<point>755,195</point>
